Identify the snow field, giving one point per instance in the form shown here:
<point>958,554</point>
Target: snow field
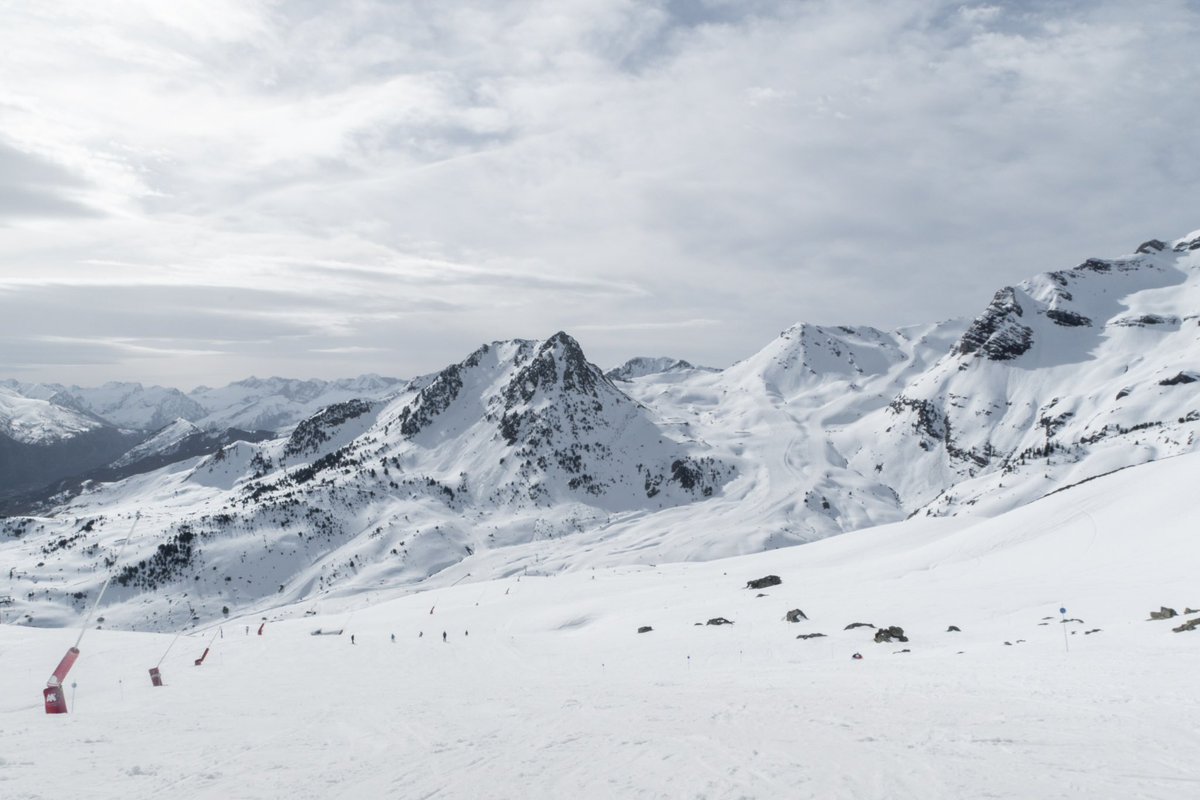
<point>553,693</point>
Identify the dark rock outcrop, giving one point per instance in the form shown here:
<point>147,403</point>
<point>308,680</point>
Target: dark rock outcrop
<point>1190,625</point>
<point>954,629</point>
<point>854,625</point>
<point>997,334</point>
<point>719,621</point>
<point>764,582</point>
<point>795,615</point>
<point>645,629</point>
<point>1164,613</point>
<point>323,425</point>
<point>1068,319</point>
<point>892,633</point>
<point>811,636</point>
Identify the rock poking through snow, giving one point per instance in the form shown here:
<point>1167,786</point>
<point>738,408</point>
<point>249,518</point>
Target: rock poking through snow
<point>764,582</point>
<point>893,633</point>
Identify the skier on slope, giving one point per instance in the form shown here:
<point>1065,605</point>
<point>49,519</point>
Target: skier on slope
<point>443,636</point>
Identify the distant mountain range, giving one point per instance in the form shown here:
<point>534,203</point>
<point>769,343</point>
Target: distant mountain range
<point>51,432</point>
<point>525,457</point>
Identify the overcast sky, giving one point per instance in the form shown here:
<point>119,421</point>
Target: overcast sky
<point>193,192</point>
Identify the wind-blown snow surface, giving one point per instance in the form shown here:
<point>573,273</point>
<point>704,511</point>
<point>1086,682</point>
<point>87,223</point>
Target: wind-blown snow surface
<point>544,689</point>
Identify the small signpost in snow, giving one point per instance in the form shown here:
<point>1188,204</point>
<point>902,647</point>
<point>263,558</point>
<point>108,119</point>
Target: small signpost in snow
<point>1063,612</point>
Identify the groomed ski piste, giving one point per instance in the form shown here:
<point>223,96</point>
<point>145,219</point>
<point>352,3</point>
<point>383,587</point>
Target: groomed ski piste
<point>544,688</point>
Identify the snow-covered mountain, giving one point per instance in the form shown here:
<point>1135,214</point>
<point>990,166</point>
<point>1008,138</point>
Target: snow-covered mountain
<point>251,404</point>
<point>641,366</point>
<point>524,456</point>
<point>34,421</point>
<point>1063,377</point>
<point>41,442</point>
<point>62,435</point>
<point>131,405</point>
<point>277,404</point>
<point>522,440</point>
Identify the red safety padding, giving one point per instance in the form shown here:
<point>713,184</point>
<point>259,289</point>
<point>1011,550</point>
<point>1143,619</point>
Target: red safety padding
<point>64,666</point>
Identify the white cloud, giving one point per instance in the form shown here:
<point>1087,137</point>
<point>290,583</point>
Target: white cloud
<point>401,180</point>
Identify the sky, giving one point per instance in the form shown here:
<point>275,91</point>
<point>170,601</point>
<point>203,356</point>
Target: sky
<point>194,192</point>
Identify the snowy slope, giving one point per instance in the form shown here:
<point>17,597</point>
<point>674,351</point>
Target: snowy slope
<point>164,441</point>
<point>543,688</point>
<point>778,411</point>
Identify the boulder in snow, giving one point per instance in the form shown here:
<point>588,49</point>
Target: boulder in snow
<point>764,582</point>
